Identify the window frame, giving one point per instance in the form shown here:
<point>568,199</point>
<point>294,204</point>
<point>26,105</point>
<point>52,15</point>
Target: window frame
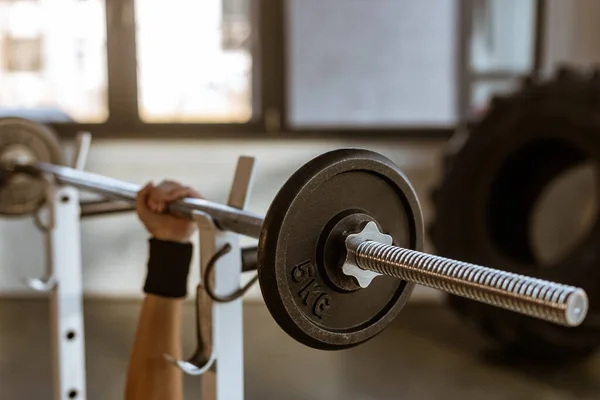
<point>269,87</point>
<point>467,78</point>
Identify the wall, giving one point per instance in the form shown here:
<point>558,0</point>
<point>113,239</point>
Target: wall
<point>572,33</point>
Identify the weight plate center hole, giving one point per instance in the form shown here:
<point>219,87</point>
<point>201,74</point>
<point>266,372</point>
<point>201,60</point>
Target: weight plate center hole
<point>332,248</point>
<point>17,153</point>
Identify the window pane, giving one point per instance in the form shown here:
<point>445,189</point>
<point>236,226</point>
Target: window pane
<point>503,35</point>
<point>483,92</point>
<point>53,60</point>
<point>194,60</point>
<point>371,63</point>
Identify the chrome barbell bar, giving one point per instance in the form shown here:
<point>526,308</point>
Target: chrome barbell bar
<point>550,301</point>
<point>226,218</point>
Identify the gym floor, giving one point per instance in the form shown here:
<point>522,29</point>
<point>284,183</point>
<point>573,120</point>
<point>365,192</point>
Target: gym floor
<point>426,354</point>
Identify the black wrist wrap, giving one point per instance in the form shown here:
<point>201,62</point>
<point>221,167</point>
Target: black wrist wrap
<point>168,268</point>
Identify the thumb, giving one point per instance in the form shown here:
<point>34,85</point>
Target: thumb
<point>141,201</point>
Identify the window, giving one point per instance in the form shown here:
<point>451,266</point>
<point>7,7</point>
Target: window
<point>247,67</point>
<point>503,33</point>
<point>370,63</point>
<point>53,60</point>
<point>194,61</point>
<point>502,47</point>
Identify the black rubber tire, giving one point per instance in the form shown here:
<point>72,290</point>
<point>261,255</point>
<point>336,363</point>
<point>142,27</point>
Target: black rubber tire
<point>493,173</point>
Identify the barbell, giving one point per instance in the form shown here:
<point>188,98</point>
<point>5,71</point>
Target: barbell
<point>340,248</point>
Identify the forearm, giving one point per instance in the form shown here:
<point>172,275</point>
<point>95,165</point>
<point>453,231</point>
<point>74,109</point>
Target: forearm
<point>150,376</point>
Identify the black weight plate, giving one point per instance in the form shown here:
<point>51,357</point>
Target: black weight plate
<point>295,286</point>
<point>21,194</point>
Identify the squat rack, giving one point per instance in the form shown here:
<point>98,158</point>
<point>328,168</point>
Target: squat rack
<point>219,324</point>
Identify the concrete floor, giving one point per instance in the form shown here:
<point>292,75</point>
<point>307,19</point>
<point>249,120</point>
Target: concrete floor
<point>426,354</point>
